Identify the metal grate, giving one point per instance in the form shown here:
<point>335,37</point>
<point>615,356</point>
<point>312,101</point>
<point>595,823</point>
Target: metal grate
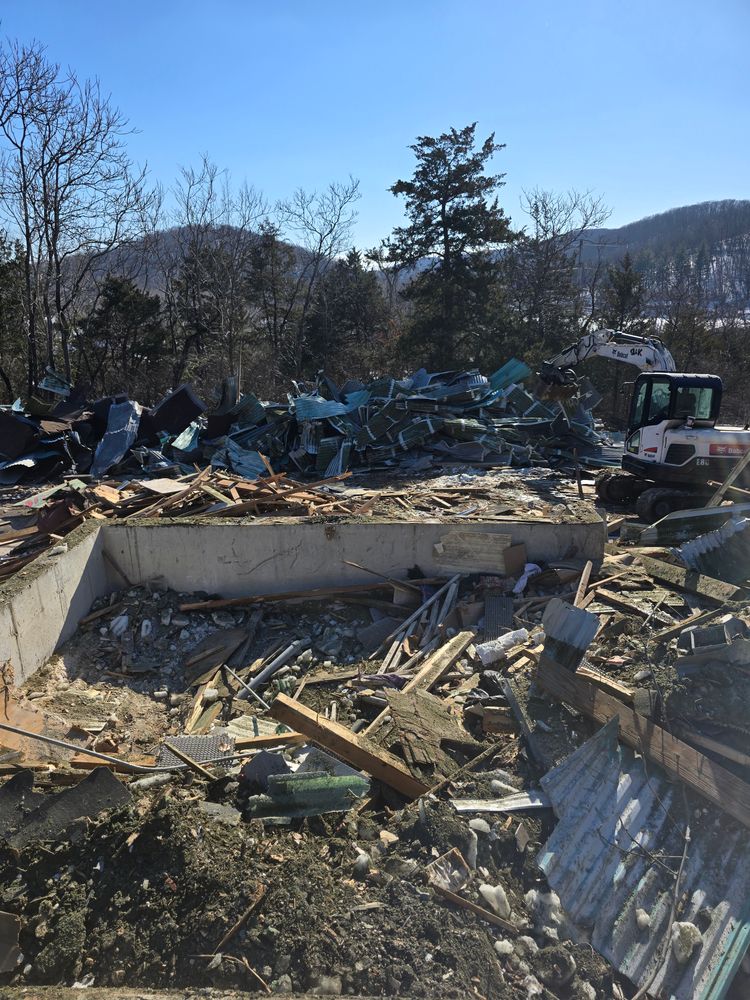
<point>498,615</point>
<point>200,748</point>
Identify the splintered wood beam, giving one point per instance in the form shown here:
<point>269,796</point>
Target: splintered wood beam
<point>435,666</point>
<point>341,741</point>
<point>678,759</point>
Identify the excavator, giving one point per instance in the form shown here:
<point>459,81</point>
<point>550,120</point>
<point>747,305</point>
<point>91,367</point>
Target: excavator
<point>673,447</point>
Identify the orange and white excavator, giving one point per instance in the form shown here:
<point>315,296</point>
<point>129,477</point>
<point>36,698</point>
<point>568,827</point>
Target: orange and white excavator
<point>673,445</point>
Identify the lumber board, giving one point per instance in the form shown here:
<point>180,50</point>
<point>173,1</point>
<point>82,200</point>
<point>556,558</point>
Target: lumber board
<point>678,759</point>
<point>688,579</point>
<point>715,746</point>
<point>355,750</point>
<point>608,684</point>
<point>270,740</point>
<point>440,662</point>
<point>618,602</point>
<point>525,723</point>
<point>735,473</point>
<point>315,594</point>
<point>583,583</point>
<point>12,536</point>
<point>699,618</point>
<point>480,911</point>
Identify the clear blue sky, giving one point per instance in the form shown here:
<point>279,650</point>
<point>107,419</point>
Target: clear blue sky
<point>645,101</point>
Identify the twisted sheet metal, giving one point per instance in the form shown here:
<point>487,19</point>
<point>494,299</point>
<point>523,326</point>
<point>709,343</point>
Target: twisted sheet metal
<point>616,848</point>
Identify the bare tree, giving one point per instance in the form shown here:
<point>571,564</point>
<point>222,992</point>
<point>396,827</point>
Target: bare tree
<point>318,226</point>
<point>540,269</point>
<point>70,190</point>
<point>205,260</point>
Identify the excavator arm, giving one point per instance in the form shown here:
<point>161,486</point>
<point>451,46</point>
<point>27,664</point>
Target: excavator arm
<point>646,353</point>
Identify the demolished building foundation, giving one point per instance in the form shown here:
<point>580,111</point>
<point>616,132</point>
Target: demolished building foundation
<point>290,708</point>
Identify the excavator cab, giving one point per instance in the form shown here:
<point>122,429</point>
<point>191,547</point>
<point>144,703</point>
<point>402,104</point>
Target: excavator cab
<point>660,396</point>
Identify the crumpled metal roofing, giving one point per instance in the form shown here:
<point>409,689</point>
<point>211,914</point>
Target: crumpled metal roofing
<point>317,408</point>
<point>614,818</point>
<point>723,553</point>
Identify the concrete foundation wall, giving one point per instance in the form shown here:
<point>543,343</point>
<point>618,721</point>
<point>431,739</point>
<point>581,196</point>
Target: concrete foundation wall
<point>41,608</point>
<point>39,615</point>
<point>269,558</point>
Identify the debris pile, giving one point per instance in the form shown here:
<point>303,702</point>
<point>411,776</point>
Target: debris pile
<point>39,522</point>
<point>58,510</point>
<point>509,781</point>
<point>321,430</point>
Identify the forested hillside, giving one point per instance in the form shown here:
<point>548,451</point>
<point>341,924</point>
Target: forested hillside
<point>710,224</point>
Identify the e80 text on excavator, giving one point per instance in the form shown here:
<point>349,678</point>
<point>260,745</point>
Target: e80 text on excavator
<point>673,446</point>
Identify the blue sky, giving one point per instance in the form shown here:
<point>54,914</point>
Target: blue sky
<point>644,102</point>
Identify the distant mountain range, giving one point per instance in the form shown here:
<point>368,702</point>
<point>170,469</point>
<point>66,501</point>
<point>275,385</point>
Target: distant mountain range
<point>718,226</point>
<point>710,224</point>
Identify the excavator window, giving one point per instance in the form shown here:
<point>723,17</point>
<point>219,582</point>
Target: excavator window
<point>661,396</point>
<point>639,404</point>
<point>658,407</point>
<point>693,401</point>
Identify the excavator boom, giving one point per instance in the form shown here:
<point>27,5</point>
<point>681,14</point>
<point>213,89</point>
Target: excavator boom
<point>645,353</point>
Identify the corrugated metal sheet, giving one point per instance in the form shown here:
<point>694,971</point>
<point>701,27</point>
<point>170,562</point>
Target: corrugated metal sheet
<point>682,525</point>
<point>614,819</point>
<point>317,408</point>
<point>512,371</point>
<point>568,632</point>
<point>724,553</point>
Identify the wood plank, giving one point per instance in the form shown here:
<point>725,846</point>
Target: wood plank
<point>335,676</point>
<point>688,579</point>
<point>736,472</point>
<point>110,609</point>
<point>698,618</point>
<point>355,750</point>
<point>525,722</point>
<point>480,911</point>
<point>678,759</point>
<point>608,684</point>
<point>716,747</point>
<point>617,602</point>
<point>271,740</point>
<point>402,630</point>
<point>85,762</point>
<point>583,583</point>
<point>206,719</point>
<point>194,765</point>
<point>12,536</point>
<point>315,594</point>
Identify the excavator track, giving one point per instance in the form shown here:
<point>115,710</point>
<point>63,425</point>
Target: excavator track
<point>656,502</point>
<point>616,486</point>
